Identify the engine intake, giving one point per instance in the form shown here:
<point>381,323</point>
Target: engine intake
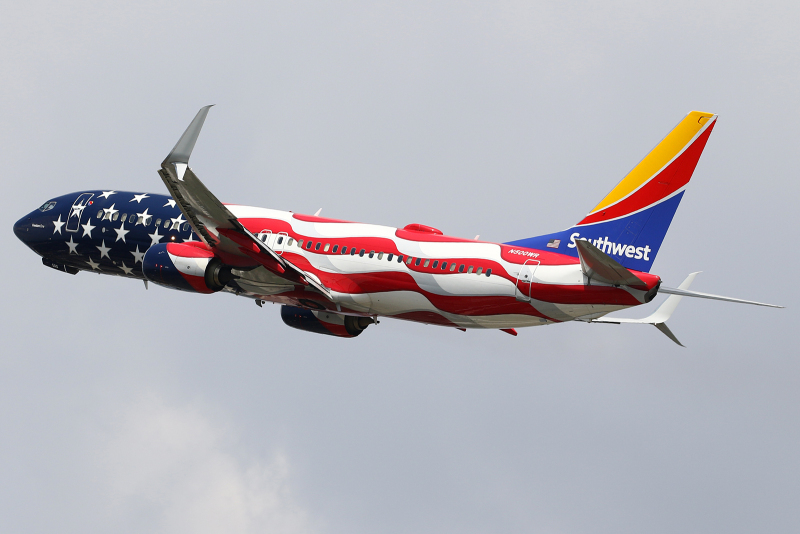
<point>324,322</point>
<point>185,266</point>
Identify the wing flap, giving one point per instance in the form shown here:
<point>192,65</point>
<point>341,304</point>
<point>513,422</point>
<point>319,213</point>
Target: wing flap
<point>213,222</point>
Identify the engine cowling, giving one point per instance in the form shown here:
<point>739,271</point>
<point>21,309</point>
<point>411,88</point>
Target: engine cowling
<point>324,322</point>
<point>185,266</point>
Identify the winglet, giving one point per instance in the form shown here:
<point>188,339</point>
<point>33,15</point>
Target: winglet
<point>662,327</point>
<point>660,316</point>
<point>185,145</point>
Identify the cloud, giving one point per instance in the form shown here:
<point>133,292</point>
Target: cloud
<point>172,466</point>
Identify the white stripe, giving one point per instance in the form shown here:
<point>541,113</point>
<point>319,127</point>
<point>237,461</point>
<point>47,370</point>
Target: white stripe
<point>698,134</point>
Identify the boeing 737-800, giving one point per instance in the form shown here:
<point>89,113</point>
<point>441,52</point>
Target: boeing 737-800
<point>338,277</point>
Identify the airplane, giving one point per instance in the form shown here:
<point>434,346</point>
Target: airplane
<point>338,277</point>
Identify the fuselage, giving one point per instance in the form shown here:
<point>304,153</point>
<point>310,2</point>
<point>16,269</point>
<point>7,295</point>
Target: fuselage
<point>414,273</point>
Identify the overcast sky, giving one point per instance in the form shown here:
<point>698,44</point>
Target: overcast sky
<point>132,411</point>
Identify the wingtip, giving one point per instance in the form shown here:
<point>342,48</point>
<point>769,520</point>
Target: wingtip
<point>183,148</point>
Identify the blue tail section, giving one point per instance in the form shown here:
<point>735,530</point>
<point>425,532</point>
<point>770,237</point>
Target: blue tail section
<point>633,241</point>
<point>630,223</point>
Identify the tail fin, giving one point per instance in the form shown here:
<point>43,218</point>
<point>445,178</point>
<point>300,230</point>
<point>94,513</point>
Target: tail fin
<point>632,220</point>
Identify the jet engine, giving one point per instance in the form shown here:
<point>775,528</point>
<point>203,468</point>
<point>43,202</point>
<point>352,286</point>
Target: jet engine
<point>324,322</point>
<point>185,266</point>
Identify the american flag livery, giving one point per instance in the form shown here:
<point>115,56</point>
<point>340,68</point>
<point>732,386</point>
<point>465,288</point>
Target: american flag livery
<point>338,277</point>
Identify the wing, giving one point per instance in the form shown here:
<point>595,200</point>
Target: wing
<point>660,316</point>
<point>213,222</point>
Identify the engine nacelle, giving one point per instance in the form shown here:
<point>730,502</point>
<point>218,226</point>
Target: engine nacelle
<point>185,266</point>
<point>324,322</point>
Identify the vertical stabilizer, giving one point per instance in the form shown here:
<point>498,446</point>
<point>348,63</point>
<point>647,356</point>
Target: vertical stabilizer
<point>630,223</point>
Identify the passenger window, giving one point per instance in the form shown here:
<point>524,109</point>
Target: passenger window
<point>488,272</point>
<point>389,257</point>
<point>371,253</point>
<point>469,271</point>
<point>116,216</point>
<point>427,262</point>
<point>123,217</point>
<point>309,245</point>
<point>327,247</point>
<point>435,264</point>
<point>461,268</point>
<point>335,249</point>
<point>280,239</point>
<point>361,254</point>
<point>166,223</point>
<point>344,250</point>
<point>318,245</point>
<point>290,242</point>
<point>99,214</point>
<point>133,218</point>
<point>380,255</point>
<point>158,223</point>
<point>444,265</point>
<point>353,251</point>
<point>409,260</point>
<point>479,271</point>
<point>149,221</point>
<point>452,267</point>
<point>416,263</point>
<point>300,243</point>
<point>185,226</point>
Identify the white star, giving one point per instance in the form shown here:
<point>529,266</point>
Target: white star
<point>170,202</point>
<point>93,265</point>
<point>77,211</point>
<point>177,222</point>
<point>138,256</point>
<point>109,212</point>
<point>87,229</point>
<point>139,198</point>
<point>106,194</point>
<point>154,237</point>
<point>58,224</point>
<point>144,217</point>
<point>126,270</point>
<point>121,232</point>
<point>103,249</point>
<point>73,246</point>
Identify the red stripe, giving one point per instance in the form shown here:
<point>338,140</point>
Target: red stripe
<point>675,176</point>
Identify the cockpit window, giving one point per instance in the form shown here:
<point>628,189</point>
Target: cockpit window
<point>47,206</point>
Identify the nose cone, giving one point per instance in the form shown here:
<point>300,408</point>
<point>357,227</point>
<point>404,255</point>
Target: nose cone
<point>22,228</point>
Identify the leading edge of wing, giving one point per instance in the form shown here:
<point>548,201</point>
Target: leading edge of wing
<point>212,221</point>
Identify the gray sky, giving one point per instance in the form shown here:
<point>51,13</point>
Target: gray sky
<point>125,410</point>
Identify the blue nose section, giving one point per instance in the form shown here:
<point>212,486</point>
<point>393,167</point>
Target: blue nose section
<point>22,228</point>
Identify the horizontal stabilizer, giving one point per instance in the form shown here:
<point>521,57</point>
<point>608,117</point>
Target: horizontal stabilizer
<point>684,293</point>
<point>600,267</point>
